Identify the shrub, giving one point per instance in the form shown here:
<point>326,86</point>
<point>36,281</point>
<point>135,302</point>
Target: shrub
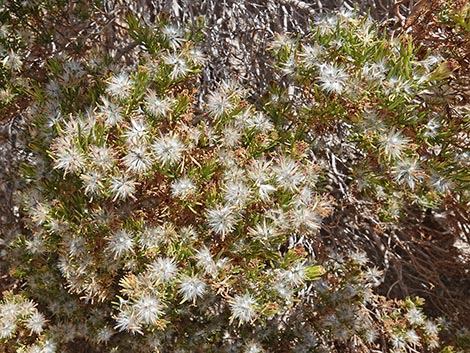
<point>159,220</point>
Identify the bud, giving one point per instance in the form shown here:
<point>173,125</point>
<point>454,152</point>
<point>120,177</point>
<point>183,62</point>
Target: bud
<point>444,70</point>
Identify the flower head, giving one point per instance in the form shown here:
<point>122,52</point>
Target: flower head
<point>137,160</point>
<point>93,182</point>
<point>310,55</point>
<point>120,243</point>
<point>218,104</point>
<point>398,342</point>
<point>415,316</point>
<point>148,309</point>
<point>263,231</point>
<point>231,136</point>
<point>326,24</point>
<point>408,172</point>
<point>104,334</point>
<point>375,72</point>
<point>122,187</point>
<point>136,133</point>
<point>13,61</point>
<point>111,113</point>
<point>173,35</point>
<point>332,78</point>
<point>36,322</point>
<point>7,328</point>
<point>163,269</point>
<point>281,41</point>
<point>102,157</point>
<point>156,106</point>
<point>303,216</point>
<point>431,328</point>
<point>243,308</point>
<point>432,128</point>
<point>179,66</point>
<point>236,193</point>
<point>128,320</point>
<point>393,144</point>
<point>182,187</point>
<point>296,275</point>
<point>119,86</point>
<point>70,159</point>
<point>412,337</point>
<point>168,149</point>
<point>260,122</point>
<point>253,347</point>
<point>288,175</point>
<point>191,287</point>
<point>197,56</point>
<point>221,220</point>
<point>206,262</point>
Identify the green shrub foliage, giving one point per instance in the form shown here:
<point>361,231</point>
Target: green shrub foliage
<point>158,220</point>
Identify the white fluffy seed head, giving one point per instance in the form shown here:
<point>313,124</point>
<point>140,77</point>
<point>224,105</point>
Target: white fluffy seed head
<point>148,309</point>
<point>168,149</point>
<point>36,322</point>
<point>221,220</point>
<point>158,107</point>
<point>182,187</point>
<point>136,133</point>
<point>408,172</point>
<point>243,308</point>
<point>332,78</point>
<point>119,86</point>
<point>218,104</point>
<point>163,269</point>
<point>137,160</point>
<point>393,144</point>
<point>191,288</point>
<point>120,243</point>
<point>122,187</point>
